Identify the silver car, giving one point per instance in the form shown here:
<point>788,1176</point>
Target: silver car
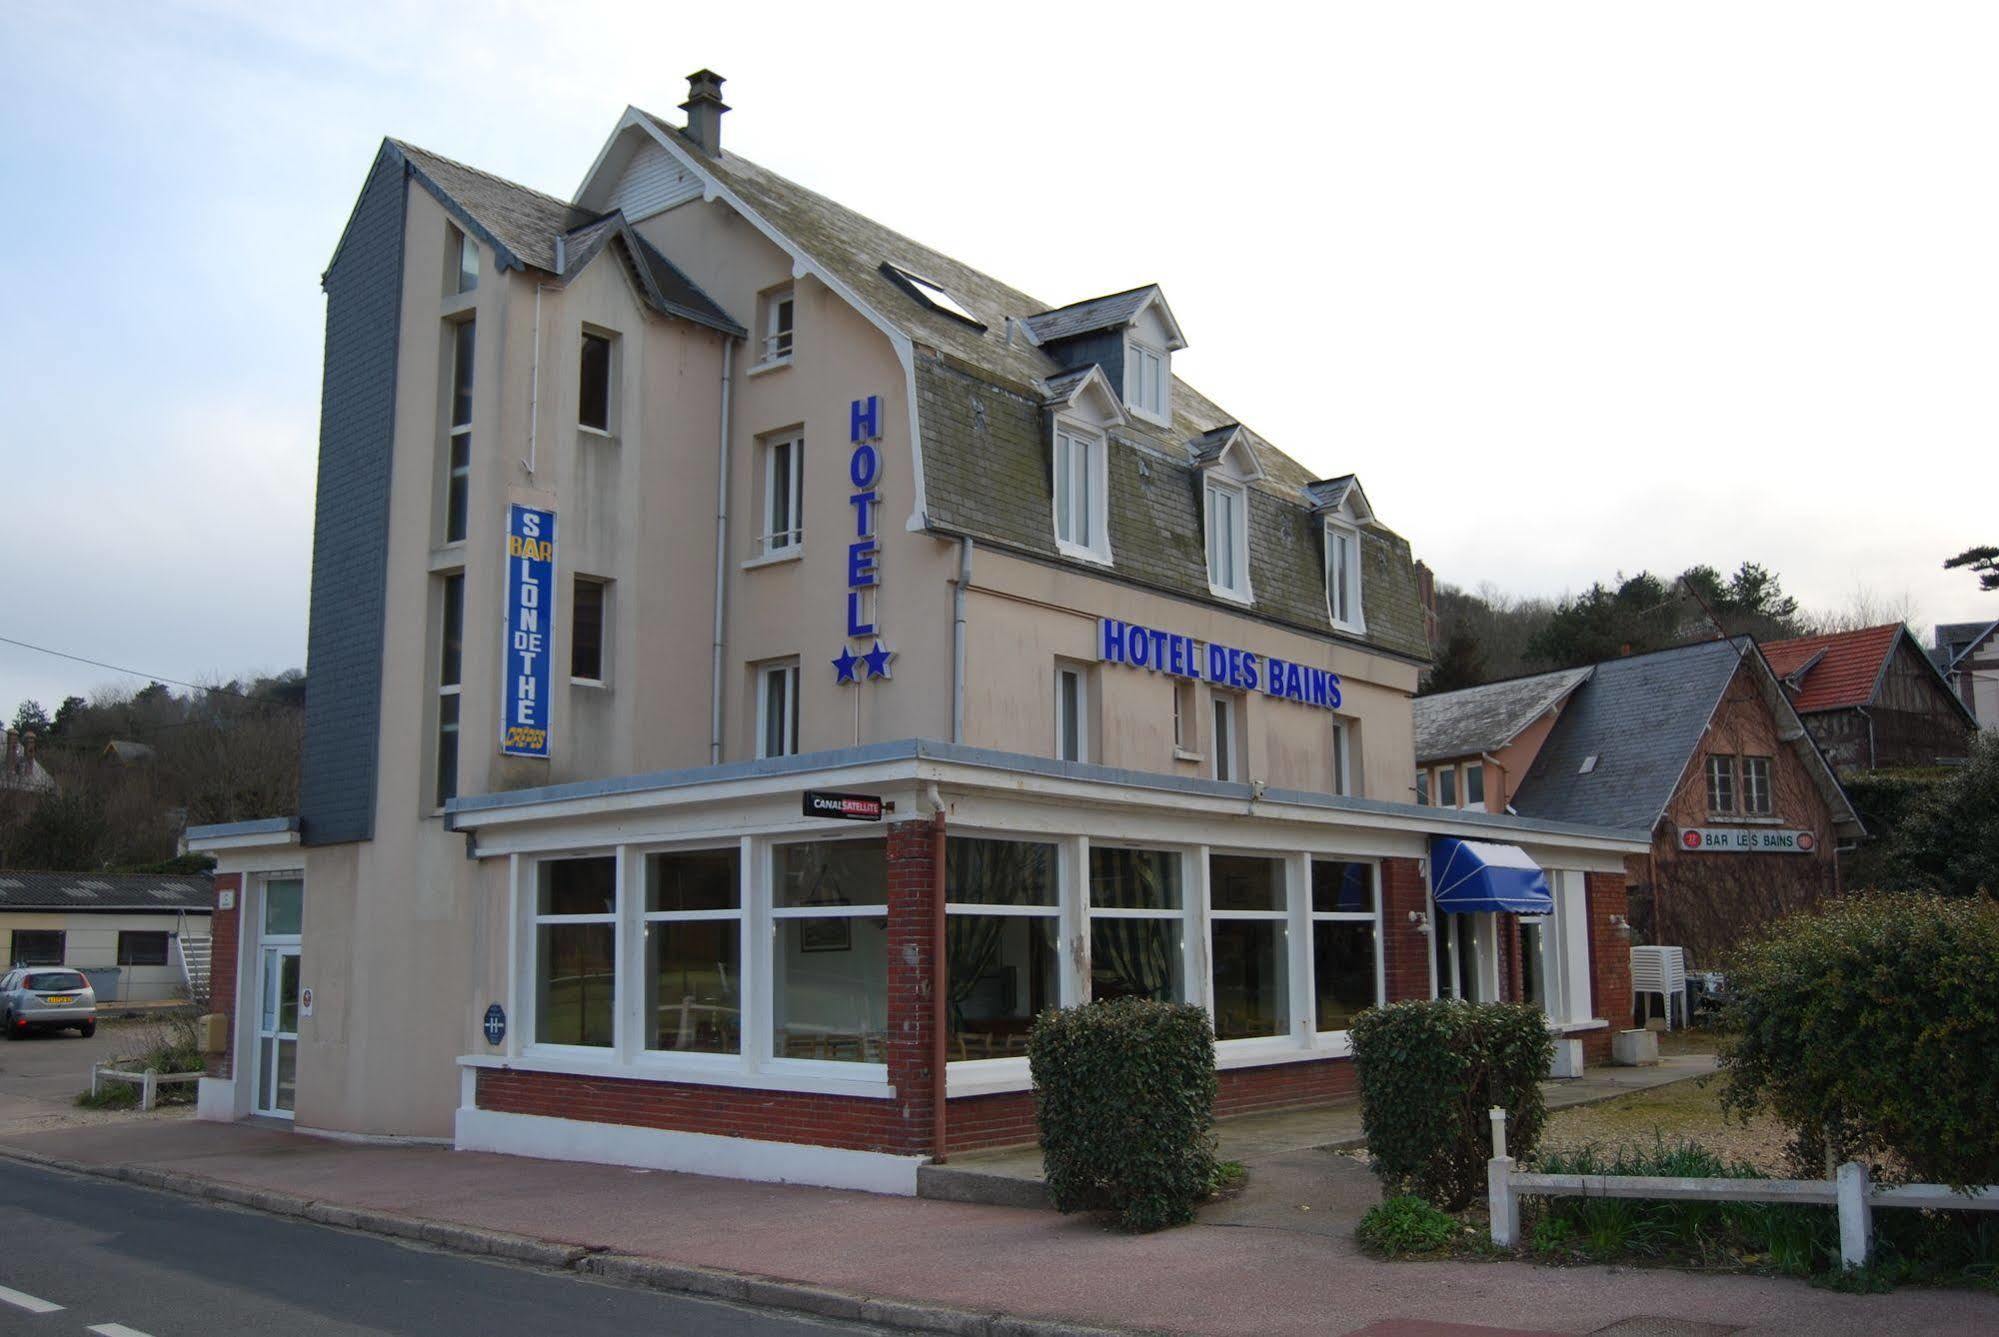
<point>47,998</point>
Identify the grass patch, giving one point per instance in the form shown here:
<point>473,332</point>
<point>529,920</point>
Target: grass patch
<point>111,1096</point>
<point>1682,1112</point>
<point>1408,1227</point>
<point>1230,1176</point>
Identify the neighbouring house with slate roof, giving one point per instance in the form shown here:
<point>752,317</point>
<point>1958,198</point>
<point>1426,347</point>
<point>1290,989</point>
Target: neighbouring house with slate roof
<point>128,931</point>
<point>760,662</point>
<point>1697,748</point>
<point>1967,654</point>
<point>1873,698</point>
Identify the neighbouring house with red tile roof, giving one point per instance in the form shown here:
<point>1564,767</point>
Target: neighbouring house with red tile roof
<point>1873,698</point>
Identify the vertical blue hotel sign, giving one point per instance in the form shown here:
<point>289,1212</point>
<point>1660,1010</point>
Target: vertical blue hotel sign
<point>864,471</point>
<point>524,683</point>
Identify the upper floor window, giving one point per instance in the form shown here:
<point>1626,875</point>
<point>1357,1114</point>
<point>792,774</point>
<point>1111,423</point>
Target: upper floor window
<point>1475,785</point>
<point>784,493</point>
<point>1081,482</point>
<point>1228,540</point>
<point>1342,757</point>
<point>1447,786</point>
<point>1423,787</point>
<point>465,261</point>
<point>1343,576</point>
<point>587,618</point>
<point>1186,723</point>
<point>593,408</point>
<point>1072,714</point>
<point>450,676</point>
<point>1228,765</point>
<point>1145,381</point>
<point>458,453</point>
<point>1721,784</point>
<point>776,324</point>
<point>1756,799</point>
<point>777,710</point>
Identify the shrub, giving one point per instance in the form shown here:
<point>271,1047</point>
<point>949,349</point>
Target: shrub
<point>1429,1072</point>
<point>1870,1030</point>
<point>1405,1225</point>
<point>1945,837</point>
<point>1125,1095</point>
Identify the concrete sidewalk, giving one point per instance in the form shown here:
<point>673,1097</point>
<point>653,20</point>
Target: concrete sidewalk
<point>1012,1176</point>
<point>1263,1263</point>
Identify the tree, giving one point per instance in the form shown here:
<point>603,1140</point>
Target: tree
<point>1982,561</point>
<point>66,715</point>
<point>1460,665</point>
<point>31,718</point>
<point>1947,840</point>
<point>1640,614</point>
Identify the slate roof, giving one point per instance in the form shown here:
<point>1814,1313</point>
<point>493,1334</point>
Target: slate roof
<point>530,229</point>
<point>1955,640</point>
<point>1847,669</point>
<point>980,401</point>
<point>1487,718</point>
<point>1086,317</point>
<point>1642,718</point>
<point>163,893</point>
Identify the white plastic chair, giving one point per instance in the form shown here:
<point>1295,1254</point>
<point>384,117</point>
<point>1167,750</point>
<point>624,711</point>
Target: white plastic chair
<point>1661,970</point>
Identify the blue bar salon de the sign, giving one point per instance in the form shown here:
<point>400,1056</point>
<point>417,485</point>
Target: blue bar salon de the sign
<point>524,683</point>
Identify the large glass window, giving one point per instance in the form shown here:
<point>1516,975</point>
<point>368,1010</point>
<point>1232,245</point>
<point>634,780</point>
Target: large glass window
<point>1251,949</point>
<point>1344,975</point>
<point>38,947</point>
<point>1080,503</point>
<point>576,951</point>
<point>1756,786</point>
<point>1002,928</point>
<point>694,951</point>
<point>1721,784</point>
<point>1138,923</point>
<point>829,977</point>
<point>450,674</point>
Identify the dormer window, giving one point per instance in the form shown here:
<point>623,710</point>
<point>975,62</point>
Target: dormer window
<point>1081,488</point>
<point>1145,382</point>
<point>1343,576</point>
<point>1228,540</point>
<point>776,322</point>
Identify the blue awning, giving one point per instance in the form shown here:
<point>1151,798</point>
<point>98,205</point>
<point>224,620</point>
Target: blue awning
<point>1472,877</point>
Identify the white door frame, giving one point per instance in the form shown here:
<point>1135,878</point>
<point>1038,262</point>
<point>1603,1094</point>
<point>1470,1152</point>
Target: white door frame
<point>266,946</point>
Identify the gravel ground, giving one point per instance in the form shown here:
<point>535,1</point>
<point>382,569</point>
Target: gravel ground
<point>1683,1110</point>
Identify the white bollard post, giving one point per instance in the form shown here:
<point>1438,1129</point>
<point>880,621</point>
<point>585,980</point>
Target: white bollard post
<point>146,1089</point>
<point>1856,1215</point>
<point>95,1069</point>
<point>1498,1117</point>
<point>1501,1205</point>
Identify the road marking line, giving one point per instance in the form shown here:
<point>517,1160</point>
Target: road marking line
<point>27,1302</point>
<point>115,1330</point>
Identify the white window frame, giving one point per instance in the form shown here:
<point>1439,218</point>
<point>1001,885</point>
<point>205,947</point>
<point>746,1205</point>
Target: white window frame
<point>1225,715</point>
<point>530,991</point>
<point>1237,494</point>
<point>464,275</point>
<point>1186,720</point>
<point>1342,746</point>
<point>1757,798</point>
<point>1296,972</point>
<point>1148,382</point>
<point>1446,776</point>
<point>1473,802</point>
<point>1423,786</point>
<point>1718,766</point>
<point>777,345</point>
<point>773,542</point>
<point>767,1009</point>
<point>1002,1065</point>
<point>1190,914</point>
<point>1082,525</point>
<point>453,690</point>
<point>1065,673</point>
<point>746,978</point>
<point>1343,578</point>
<point>1314,916</point>
<point>787,671</point>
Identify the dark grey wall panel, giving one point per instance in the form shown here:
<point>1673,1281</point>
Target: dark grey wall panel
<point>350,545</point>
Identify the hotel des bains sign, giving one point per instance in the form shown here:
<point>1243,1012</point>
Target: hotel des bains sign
<point>1177,656</point>
<point>863,560</point>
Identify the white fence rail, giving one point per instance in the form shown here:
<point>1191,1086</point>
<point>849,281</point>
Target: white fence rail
<point>1849,1191</point>
<point>148,1082</point>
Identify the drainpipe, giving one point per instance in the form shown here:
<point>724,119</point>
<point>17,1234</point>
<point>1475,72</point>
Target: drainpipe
<point>958,641</point>
<point>940,988</point>
<point>534,380</point>
<point>721,557</point>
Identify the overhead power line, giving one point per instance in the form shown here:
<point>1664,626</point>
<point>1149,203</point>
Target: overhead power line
<point>136,673</point>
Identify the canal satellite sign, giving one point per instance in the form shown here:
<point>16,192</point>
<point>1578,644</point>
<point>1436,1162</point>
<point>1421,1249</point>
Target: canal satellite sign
<point>846,807</point>
<point>1746,840</point>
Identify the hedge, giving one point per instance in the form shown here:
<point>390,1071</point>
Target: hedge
<point>1125,1095</point>
<point>1430,1071</point>
<point>1873,1029</point>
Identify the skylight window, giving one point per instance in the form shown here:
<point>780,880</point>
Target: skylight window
<point>932,294</point>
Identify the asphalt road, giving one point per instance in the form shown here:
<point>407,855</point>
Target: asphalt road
<point>129,1262</point>
<point>52,1066</point>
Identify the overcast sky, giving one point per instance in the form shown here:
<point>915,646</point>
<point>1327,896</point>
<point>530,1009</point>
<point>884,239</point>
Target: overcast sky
<point>1574,288</point>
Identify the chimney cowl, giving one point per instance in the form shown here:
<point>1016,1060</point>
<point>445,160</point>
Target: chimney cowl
<point>704,108</point>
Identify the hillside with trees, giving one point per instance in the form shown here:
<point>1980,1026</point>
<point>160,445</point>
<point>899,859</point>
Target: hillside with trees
<point>133,769</point>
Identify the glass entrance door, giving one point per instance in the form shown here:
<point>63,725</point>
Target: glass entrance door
<point>277,1033</point>
<point>276,1059</point>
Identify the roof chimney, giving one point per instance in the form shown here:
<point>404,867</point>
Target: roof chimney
<point>704,108</point>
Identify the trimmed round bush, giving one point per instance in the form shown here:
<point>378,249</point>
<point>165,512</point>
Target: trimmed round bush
<point>1429,1073</point>
<point>1125,1095</point>
<point>1873,1028</point>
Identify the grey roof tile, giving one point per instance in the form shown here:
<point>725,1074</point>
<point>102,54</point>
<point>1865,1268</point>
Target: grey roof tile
<point>1097,313</point>
<point>106,891</point>
<point>1487,718</point>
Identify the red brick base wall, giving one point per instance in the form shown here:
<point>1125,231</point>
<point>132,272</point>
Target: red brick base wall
<point>222,969</point>
<point>1609,958</point>
<point>1405,948</point>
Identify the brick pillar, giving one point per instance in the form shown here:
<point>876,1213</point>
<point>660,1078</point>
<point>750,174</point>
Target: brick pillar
<point>222,967</point>
<point>1512,984</point>
<point>1609,952</point>
<point>1405,950</point>
<point>912,1030</point>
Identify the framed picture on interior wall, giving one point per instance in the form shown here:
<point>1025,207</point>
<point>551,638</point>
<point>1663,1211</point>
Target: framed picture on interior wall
<point>826,935</point>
